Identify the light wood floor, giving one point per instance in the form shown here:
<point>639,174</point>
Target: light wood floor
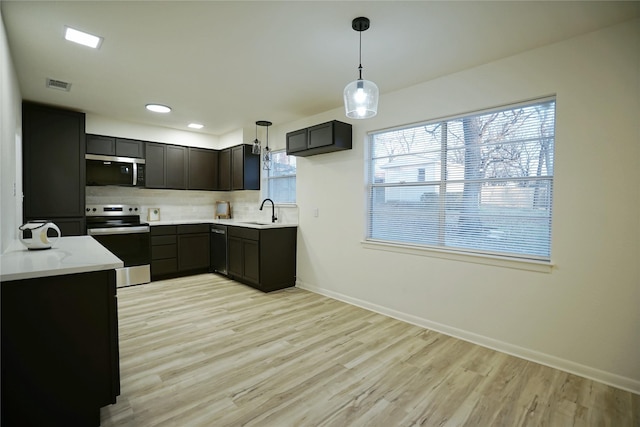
<point>206,351</point>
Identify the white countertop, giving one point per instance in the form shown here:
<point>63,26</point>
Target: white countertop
<point>235,222</point>
<point>69,255</point>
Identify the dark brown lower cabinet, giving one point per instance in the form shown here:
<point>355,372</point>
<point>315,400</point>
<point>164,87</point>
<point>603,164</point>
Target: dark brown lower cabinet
<point>179,250</point>
<point>263,258</point>
<point>60,360</point>
<point>193,248</point>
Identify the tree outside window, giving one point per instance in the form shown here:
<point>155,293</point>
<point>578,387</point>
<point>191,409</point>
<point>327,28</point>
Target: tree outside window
<point>477,183</point>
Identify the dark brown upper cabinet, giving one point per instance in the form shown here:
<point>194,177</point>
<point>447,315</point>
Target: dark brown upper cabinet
<point>239,169</point>
<point>111,146</point>
<point>203,169</point>
<point>319,139</point>
<point>224,169</point>
<point>166,166</point>
<point>245,168</point>
<point>54,166</point>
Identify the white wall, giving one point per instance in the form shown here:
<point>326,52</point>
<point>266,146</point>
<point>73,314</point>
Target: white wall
<point>10,146</point>
<point>102,125</point>
<point>584,315</point>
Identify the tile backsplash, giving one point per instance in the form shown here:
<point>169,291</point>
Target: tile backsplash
<point>190,205</point>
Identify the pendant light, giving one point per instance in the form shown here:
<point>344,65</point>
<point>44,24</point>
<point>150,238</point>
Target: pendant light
<point>255,149</point>
<point>266,155</point>
<point>361,96</point>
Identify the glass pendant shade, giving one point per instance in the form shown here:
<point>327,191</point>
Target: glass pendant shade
<point>266,159</point>
<point>361,99</point>
<point>255,149</point>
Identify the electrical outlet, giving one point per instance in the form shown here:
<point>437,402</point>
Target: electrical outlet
<point>316,212</point>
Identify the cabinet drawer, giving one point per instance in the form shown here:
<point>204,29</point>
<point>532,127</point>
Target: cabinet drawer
<point>164,251</point>
<point>244,233</point>
<point>160,230</point>
<point>163,240</point>
<point>193,228</point>
<point>164,266</point>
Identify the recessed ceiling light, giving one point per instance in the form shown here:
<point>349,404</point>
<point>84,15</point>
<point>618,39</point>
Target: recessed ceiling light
<point>158,108</point>
<point>82,38</point>
<point>195,125</point>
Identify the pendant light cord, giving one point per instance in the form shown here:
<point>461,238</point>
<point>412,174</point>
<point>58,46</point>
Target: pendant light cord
<point>360,57</point>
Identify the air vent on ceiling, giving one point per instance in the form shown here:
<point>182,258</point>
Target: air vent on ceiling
<point>58,84</point>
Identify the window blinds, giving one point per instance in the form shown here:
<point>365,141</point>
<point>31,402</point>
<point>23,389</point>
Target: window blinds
<point>479,183</point>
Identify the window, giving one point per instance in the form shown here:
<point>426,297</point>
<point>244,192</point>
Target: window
<point>281,178</point>
<point>479,183</point>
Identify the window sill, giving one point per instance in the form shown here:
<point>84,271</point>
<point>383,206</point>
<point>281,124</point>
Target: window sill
<point>496,261</point>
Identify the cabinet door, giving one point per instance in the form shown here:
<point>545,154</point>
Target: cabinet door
<point>297,141</point>
<point>224,169</point>
<point>59,349</point>
<point>251,260</point>
<point>235,256</point>
<point>70,226</point>
<point>177,166</point>
<point>155,165</point>
<point>193,252</point>
<point>129,148</point>
<point>203,169</point>
<point>237,168</point>
<point>53,162</point>
<point>104,145</point>
<point>321,135</point>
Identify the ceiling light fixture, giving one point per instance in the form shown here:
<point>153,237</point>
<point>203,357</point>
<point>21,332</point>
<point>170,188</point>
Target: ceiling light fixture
<point>82,38</point>
<point>195,125</point>
<point>158,108</point>
<point>361,96</point>
<point>266,155</point>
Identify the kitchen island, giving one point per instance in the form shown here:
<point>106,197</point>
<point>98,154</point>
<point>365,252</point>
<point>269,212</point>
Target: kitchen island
<point>60,361</point>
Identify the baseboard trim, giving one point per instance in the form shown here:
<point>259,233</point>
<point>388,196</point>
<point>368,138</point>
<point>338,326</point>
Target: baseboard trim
<point>551,361</point>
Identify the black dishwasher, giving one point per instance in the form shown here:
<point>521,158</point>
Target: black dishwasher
<point>219,260</point>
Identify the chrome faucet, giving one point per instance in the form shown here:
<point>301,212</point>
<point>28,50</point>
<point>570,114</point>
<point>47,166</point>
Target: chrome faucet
<point>273,209</point>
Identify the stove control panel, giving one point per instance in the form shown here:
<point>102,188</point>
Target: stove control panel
<point>112,210</point>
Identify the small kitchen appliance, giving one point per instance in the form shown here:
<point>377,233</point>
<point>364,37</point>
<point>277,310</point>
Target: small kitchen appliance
<point>35,234</point>
<point>110,170</point>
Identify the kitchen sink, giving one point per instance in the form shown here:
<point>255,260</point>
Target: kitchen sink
<point>256,223</point>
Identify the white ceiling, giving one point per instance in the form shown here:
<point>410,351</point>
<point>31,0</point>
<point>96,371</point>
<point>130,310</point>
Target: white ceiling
<point>228,64</point>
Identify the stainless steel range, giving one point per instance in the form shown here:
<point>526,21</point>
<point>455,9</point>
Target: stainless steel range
<point>118,228</point>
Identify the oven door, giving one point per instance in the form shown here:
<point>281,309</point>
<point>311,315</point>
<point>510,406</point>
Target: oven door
<point>133,246</point>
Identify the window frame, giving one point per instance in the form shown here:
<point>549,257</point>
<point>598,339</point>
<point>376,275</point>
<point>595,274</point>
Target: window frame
<point>268,179</point>
<point>474,255</point>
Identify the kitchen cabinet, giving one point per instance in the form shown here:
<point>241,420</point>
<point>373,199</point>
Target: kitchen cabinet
<point>244,258</point>
<point>54,166</point>
<point>193,248</point>
<point>166,166</point>
<point>60,358</point>
<point>179,250</point>
<point>239,169</point>
<point>319,139</point>
<point>203,169</point>
<point>224,169</point>
<point>245,168</point>
<point>164,251</point>
<point>111,146</point>
<point>263,258</point>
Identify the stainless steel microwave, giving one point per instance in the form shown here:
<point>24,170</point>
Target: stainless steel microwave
<point>108,170</point>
